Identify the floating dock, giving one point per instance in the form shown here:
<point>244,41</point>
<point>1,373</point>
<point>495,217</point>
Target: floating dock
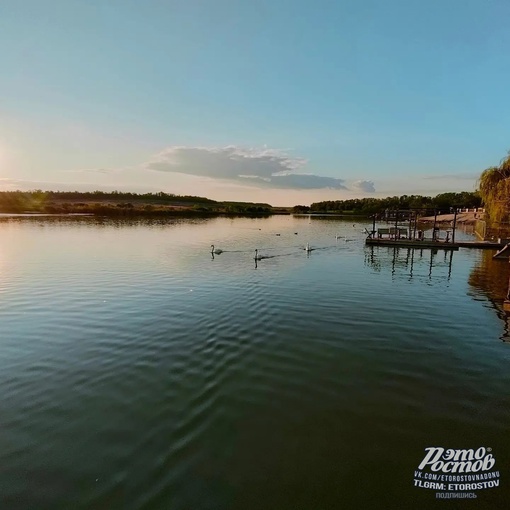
<point>405,230</point>
<point>438,245</point>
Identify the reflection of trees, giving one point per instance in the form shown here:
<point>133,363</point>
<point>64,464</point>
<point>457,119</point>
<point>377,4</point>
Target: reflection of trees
<point>489,278</point>
<point>105,221</point>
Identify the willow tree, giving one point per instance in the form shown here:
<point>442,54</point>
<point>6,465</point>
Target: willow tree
<point>494,187</point>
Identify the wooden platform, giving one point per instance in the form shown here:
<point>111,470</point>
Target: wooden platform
<point>438,245</point>
<point>490,245</point>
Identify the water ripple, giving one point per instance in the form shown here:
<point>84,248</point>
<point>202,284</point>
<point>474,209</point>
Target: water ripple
<point>139,372</point>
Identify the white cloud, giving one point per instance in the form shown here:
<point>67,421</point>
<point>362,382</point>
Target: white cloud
<point>365,186</point>
<point>265,168</point>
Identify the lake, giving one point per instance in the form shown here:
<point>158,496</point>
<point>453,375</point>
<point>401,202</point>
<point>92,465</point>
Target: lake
<point>139,371</point>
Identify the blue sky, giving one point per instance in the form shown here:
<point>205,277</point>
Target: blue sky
<point>281,101</point>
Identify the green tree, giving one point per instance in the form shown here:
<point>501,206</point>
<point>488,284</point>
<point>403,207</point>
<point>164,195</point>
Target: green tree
<point>494,187</point>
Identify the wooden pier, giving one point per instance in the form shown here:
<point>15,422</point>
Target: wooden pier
<point>405,230</point>
<point>439,245</point>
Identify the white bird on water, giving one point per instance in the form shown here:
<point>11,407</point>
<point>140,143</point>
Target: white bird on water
<point>217,250</point>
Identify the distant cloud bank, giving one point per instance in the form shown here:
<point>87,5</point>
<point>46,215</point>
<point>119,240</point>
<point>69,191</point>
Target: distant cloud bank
<point>366,186</point>
<point>264,168</point>
<point>91,171</point>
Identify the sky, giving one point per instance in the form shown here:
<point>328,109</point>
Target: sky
<point>280,101</point>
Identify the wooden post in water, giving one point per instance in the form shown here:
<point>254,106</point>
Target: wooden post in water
<point>434,227</point>
<point>373,228</point>
<point>454,223</point>
<point>396,223</point>
<point>415,222</point>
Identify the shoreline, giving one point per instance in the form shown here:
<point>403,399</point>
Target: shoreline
<point>136,214</point>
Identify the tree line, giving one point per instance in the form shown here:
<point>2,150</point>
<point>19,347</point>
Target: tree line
<point>368,206</point>
<point>118,203</point>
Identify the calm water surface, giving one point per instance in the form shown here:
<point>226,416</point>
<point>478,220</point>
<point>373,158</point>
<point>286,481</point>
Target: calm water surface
<point>139,372</point>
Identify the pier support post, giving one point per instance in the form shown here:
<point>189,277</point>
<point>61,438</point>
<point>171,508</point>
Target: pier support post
<point>454,224</point>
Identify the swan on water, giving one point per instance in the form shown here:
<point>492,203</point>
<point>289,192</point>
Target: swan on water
<point>217,250</point>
